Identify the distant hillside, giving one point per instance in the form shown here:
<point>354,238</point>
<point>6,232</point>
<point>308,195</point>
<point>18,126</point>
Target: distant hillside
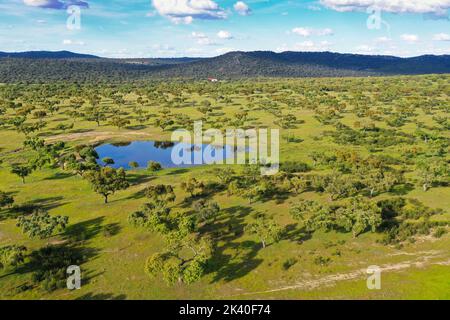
<point>157,61</point>
<point>307,64</point>
<point>46,55</point>
<point>67,66</point>
<point>256,64</point>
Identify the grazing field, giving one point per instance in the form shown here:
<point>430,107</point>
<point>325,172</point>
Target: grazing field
<point>364,181</point>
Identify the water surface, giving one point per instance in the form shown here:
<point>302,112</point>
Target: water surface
<point>144,151</point>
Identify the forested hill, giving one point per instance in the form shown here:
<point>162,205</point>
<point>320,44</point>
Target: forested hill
<point>46,55</point>
<point>54,66</point>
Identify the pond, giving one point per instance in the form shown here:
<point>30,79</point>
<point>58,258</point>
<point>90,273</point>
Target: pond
<point>144,151</point>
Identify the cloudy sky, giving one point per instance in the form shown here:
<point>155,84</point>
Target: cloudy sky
<point>175,28</point>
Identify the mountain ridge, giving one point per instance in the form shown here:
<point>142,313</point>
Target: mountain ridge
<point>47,55</point>
<point>65,65</point>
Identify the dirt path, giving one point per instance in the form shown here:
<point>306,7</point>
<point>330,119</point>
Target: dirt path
<point>10,152</point>
<point>331,280</point>
<point>96,137</point>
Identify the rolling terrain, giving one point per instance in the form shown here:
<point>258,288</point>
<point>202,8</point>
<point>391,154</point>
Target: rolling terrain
<point>364,181</point>
<point>32,67</point>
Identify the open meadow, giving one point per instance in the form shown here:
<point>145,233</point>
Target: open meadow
<point>364,181</point>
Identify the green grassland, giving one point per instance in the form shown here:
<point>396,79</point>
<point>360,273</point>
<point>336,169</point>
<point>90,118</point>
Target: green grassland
<point>322,264</point>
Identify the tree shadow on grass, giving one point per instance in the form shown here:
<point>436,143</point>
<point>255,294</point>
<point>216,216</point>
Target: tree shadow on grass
<point>31,206</point>
<point>80,130</point>
<point>10,214</point>
<point>46,134</point>
<point>85,230</point>
<point>299,235</point>
<point>137,195</point>
<point>237,265</point>
<point>111,229</point>
<point>177,171</point>
<point>51,262</point>
<point>59,176</point>
<point>278,196</point>
<point>217,114</point>
<point>137,127</point>
<point>137,179</point>
<point>62,119</point>
<point>228,228</point>
<point>210,190</point>
<point>102,296</point>
<point>45,203</point>
<point>402,190</point>
<point>230,224</point>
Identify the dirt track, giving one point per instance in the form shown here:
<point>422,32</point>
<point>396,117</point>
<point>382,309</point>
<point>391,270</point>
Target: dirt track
<point>96,137</point>
<point>331,280</point>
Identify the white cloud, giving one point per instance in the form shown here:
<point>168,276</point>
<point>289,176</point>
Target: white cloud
<point>55,4</point>
<point>226,35</point>
<point>306,32</point>
<point>202,39</point>
<point>242,8</point>
<point>306,46</point>
<point>314,8</point>
<point>198,35</point>
<point>164,50</point>
<point>185,11</point>
<point>383,40</point>
<point>205,42</point>
<point>438,7</point>
<point>441,37</point>
<point>37,3</point>
<point>364,49</point>
<point>409,38</point>
<point>69,42</point>
<point>185,20</point>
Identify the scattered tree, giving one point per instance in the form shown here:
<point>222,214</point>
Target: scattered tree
<point>266,230</point>
<point>41,224</point>
<point>21,171</point>
<point>153,166</point>
<point>12,256</point>
<point>133,165</point>
<point>108,161</point>
<point>5,200</point>
<point>107,181</point>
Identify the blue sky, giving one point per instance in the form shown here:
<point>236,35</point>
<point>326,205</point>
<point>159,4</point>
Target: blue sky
<point>175,28</point>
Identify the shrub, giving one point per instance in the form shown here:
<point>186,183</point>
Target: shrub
<point>11,256</point>
<point>294,167</point>
<point>50,265</point>
<point>289,263</point>
<point>154,166</point>
<point>41,225</point>
<point>322,261</point>
<point>440,232</point>
<point>5,200</point>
